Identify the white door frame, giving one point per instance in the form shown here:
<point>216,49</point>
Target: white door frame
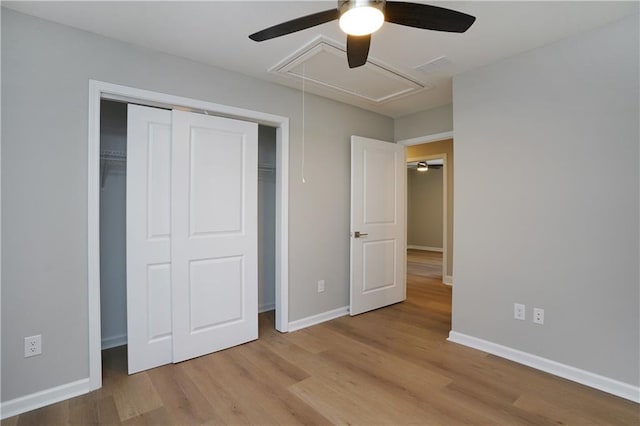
<point>446,279</point>
<point>101,90</point>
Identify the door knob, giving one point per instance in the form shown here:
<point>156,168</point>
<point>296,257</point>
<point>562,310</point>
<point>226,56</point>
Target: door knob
<point>357,234</point>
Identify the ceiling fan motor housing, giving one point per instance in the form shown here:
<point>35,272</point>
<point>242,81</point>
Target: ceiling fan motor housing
<point>346,5</point>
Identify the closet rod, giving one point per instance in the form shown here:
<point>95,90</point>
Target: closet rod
<point>110,155</point>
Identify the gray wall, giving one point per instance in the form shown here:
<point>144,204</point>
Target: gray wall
<point>45,72</point>
<point>424,208</point>
<point>428,122</point>
<point>554,224</point>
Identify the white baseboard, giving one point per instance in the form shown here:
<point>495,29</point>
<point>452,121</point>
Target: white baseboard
<point>317,319</point>
<point>112,342</point>
<point>605,384</point>
<point>266,307</point>
<point>425,248</point>
<point>46,397</point>
<point>448,280</point>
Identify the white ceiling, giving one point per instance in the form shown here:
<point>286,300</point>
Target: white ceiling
<point>216,33</point>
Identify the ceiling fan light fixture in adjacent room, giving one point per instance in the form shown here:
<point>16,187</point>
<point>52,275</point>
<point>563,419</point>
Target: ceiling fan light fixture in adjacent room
<point>422,166</point>
<point>361,17</point>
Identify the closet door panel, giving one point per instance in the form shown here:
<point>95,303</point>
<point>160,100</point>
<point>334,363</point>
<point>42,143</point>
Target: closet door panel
<point>215,154</point>
<point>214,233</point>
<point>149,318</point>
<point>159,295</point>
<point>159,181</point>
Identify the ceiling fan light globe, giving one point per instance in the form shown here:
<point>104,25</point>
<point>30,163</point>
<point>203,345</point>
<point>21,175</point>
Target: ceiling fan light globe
<point>361,21</point>
<point>422,166</point>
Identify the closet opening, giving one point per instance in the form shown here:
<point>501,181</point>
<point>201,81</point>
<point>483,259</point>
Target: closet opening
<point>113,256</point>
<point>113,147</point>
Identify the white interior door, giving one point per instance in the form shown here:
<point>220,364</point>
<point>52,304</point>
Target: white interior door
<point>378,224</point>
<point>214,233</point>
<point>148,237</point>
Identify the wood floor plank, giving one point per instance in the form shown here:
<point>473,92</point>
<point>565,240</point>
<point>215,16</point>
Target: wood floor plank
<point>135,396</point>
<point>583,410</point>
<point>242,390</point>
<point>382,365</point>
<point>279,370</point>
<point>487,408</point>
<point>52,414</point>
<point>360,400</point>
<point>276,398</point>
<point>555,414</point>
<point>155,417</point>
<point>184,402</point>
<point>83,410</point>
<point>107,411</point>
<point>227,409</point>
<point>307,341</point>
<point>338,408</point>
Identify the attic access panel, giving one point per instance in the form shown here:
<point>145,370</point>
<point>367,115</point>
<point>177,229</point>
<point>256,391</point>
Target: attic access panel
<point>325,64</point>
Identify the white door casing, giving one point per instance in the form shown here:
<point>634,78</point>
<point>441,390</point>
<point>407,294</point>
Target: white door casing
<point>148,237</point>
<point>378,214</point>
<point>214,233</point>
<point>99,90</point>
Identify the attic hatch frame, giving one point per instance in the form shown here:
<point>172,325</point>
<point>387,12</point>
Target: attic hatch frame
<point>99,90</point>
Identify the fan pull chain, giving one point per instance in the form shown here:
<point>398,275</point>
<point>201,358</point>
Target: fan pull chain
<point>303,123</point>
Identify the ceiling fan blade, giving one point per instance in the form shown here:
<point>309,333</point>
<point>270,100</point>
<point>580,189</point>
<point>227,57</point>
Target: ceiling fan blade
<point>427,17</point>
<point>294,25</point>
<point>358,50</point>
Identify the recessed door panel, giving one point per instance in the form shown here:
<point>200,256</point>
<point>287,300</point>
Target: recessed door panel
<point>217,290</point>
<point>379,186</point>
<point>159,180</point>
<point>379,265</point>
<point>159,296</point>
<point>216,184</point>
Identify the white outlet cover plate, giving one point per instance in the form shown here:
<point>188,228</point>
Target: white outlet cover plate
<point>32,345</point>
<point>519,311</point>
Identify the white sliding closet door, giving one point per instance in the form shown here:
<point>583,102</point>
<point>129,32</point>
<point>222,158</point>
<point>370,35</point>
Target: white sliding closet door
<point>148,237</point>
<point>214,233</point>
<point>192,285</point>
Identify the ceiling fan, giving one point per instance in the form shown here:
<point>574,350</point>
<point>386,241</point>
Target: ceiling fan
<point>360,18</point>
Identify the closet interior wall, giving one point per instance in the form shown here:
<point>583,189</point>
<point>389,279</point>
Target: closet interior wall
<point>113,209</point>
<point>113,256</point>
<point>266,218</point>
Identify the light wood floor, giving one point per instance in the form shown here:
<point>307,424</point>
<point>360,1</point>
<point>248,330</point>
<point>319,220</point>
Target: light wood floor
<point>390,366</point>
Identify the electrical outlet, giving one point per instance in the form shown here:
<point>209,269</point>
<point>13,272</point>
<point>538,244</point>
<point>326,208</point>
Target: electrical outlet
<point>519,311</point>
<point>32,345</point>
<point>538,315</point>
<point>320,286</point>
